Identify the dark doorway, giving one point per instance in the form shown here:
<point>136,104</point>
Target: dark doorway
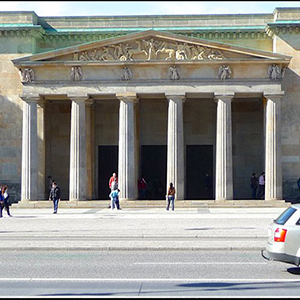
<point>154,170</point>
<point>108,164</point>
<point>199,162</point>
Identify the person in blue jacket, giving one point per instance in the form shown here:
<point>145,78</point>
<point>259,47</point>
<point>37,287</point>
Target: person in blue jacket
<point>4,201</point>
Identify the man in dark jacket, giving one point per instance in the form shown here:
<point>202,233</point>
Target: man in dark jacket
<point>55,196</point>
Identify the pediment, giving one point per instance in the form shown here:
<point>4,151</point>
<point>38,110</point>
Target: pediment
<point>151,46</point>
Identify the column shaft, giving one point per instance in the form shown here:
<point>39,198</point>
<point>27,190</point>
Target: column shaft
<point>224,168</point>
<point>176,161</point>
<point>273,188</point>
<point>29,184</point>
<point>78,172</point>
<point>127,148</point>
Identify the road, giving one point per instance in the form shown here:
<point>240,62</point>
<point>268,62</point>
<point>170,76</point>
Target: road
<point>145,274</point>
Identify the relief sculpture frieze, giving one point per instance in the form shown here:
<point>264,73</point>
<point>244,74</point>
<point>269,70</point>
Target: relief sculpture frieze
<point>152,49</point>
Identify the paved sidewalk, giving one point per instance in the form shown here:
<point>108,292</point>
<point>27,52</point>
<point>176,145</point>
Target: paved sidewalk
<point>137,229</point>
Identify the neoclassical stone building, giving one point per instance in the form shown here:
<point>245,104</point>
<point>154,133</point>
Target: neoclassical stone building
<point>170,98</point>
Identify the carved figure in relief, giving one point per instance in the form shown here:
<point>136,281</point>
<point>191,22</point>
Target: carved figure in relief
<point>151,49</point>
<point>224,72</point>
<point>106,56</point>
<point>119,51</point>
<point>126,74</point>
<point>275,73</point>
<point>174,73</point>
<point>27,75</point>
<point>215,54</point>
<point>183,52</point>
<point>130,53</point>
<point>84,56</point>
<point>167,50</point>
<point>76,74</point>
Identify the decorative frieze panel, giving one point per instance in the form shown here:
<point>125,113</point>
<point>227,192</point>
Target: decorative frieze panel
<point>152,49</point>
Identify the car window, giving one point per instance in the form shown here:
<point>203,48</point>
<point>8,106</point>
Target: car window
<point>284,217</point>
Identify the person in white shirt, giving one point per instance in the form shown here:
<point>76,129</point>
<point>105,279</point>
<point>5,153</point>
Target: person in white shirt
<point>261,186</point>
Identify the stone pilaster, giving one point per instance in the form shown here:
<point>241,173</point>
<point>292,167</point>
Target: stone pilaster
<point>175,159</point>
<point>224,167</point>
<point>29,184</point>
<point>127,147</point>
<point>78,173</point>
<point>273,182</point>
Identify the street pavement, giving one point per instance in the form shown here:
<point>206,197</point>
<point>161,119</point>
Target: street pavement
<point>191,229</point>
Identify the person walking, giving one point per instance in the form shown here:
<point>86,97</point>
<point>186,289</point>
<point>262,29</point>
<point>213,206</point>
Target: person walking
<point>254,185</point>
<point>4,201</point>
<point>171,196</point>
<point>55,196</point>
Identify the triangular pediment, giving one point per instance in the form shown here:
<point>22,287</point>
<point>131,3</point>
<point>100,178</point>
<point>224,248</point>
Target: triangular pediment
<point>152,46</point>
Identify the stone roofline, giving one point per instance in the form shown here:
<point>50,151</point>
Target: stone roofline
<point>217,20</point>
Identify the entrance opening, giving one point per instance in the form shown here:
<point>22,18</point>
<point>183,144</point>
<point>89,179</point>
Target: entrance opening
<point>108,164</point>
<point>199,163</point>
<point>154,170</point>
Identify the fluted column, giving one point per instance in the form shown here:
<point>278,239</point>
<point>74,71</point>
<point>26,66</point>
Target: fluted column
<point>127,147</point>
<point>224,167</point>
<point>78,172</point>
<point>175,160</point>
<point>273,182</point>
<point>41,132</point>
<point>29,183</point>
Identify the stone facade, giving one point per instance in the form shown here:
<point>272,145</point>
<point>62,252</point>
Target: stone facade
<point>79,84</point>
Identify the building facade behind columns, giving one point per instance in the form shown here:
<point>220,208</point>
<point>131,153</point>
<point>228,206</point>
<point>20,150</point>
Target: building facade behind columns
<point>168,98</point>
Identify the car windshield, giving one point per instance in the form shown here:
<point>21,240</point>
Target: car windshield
<point>283,218</point>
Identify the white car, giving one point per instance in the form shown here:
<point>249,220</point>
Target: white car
<point>284,237</point>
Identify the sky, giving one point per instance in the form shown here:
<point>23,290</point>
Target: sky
<point>123,8</point>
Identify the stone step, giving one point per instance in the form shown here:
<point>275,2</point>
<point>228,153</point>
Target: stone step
<point>156,204</point>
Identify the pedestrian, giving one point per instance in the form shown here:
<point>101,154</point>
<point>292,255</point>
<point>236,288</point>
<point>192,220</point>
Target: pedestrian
<point>4,201</point>
<point>55,196</point>
<point>111,180</point>
<point>298,182</point>
<point>142,186</point>
<point>254,185</point>
<point>114,195</point>
<point>261,187</point>
<point>171,196</point>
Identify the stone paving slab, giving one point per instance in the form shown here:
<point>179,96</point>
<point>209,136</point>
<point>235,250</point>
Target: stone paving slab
<point>192,229</point>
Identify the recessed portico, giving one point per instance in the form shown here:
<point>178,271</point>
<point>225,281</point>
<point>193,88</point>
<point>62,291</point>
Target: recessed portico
<point>173,88</point>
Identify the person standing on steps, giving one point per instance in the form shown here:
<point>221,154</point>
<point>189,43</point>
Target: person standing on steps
<point>171,196</point>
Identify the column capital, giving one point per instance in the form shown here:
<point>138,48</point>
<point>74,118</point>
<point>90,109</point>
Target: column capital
<point>277,97</point>
<point>79,98</point>
<point>128,97</point>
<point>30,99</point>
<point>224,97</point>
<point>176,97</point>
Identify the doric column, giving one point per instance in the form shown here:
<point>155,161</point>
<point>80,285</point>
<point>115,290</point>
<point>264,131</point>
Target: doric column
<point>224,167</point>
<point>273,182</point>
<point>90,157</point>
<point>29,184</point>
<point>41,132</point>
<point>78,171</point>
<point>127,147</point>
<point>175,160</point>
